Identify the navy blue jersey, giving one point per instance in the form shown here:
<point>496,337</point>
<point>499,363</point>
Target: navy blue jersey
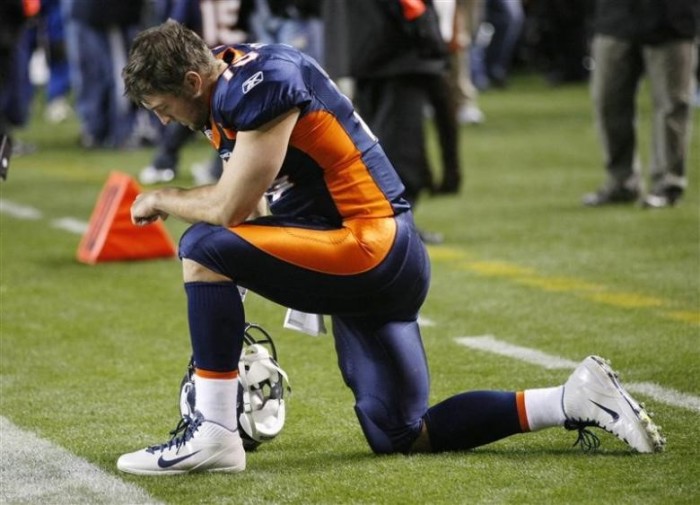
<point>334,169</point>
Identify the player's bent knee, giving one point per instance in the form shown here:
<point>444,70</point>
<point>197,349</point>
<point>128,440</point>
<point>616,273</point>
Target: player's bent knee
<point>193,250</point>
<point>193,242</point>
<point>194,272</point>
<point>383,439</point>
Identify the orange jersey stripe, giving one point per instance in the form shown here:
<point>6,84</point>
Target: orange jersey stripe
<point>215,138</point>
<point>354,191</point>
<point>230,134</point>
<point>359,246</point>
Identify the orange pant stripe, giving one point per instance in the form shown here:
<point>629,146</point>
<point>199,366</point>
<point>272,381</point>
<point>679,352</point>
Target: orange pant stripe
<point>357,247</point>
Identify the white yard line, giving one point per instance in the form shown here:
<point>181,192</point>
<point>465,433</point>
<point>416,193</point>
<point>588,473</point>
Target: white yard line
<point>33,470</point>
<point>26,212</point>
<point>665,395</point>
<point>659,393</point>
<point>70,224</point>
<point>533,356</point>
<point>19,211</point>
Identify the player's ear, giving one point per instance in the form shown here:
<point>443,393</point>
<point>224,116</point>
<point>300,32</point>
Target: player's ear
<point>193,84</point>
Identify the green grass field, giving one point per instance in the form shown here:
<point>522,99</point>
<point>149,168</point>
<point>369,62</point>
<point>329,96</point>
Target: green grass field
<point>92,356</point>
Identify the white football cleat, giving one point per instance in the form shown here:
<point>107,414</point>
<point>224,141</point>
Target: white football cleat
<point>197,445</point>
<point>593,396</point>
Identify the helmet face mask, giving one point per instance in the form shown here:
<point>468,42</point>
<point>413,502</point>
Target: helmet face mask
<point>262,387</point>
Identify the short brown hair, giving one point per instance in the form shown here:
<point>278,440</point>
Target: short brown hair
<point>159,59</point>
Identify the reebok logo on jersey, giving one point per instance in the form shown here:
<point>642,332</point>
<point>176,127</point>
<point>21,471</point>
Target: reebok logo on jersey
<point>252,81</point>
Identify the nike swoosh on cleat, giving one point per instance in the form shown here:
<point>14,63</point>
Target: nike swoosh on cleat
<point>615,416</point>
<point>167,463</point>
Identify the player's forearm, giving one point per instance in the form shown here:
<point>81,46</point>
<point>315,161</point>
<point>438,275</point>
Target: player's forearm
<point>209,204</point>
<point>189,205</point>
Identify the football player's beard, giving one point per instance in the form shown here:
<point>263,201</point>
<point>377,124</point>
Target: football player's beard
<point>201,114</point>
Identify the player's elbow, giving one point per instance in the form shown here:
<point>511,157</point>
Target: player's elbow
<point>224,210</point>
<point>230,217</point>
<point>225,219</point>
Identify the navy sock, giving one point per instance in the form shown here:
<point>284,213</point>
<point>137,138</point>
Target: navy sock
<point>217,323</point>
<point>472,419</point>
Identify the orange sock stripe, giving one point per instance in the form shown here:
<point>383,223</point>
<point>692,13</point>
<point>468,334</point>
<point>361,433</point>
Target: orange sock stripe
<point>522,413</point>
<point>208,374</point>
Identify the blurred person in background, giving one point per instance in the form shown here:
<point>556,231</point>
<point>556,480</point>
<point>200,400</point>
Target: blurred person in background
<point>442,100</point>
<point>496,42</point>
<point>98,36</point>
<point>42,47</point>
<point>467,19</point>
<point>558,35</point>
<point>52,36</point>
<point>656,38</point>
<point>297,23</point>
<point>15,87</point>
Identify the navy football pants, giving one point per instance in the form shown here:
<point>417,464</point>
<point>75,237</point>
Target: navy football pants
<point>380,352</point>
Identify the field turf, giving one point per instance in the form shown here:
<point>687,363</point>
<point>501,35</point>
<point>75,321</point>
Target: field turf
<point>92,356</point>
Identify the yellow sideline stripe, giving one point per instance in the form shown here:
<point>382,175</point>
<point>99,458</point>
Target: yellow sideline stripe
<point>597,293</point>
<point>686,316</point>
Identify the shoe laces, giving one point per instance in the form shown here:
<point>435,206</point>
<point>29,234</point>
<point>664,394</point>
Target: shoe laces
<point>183,432</point>
<point>587,440</point>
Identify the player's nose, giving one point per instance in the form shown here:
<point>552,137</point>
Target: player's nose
<point>163,119</point>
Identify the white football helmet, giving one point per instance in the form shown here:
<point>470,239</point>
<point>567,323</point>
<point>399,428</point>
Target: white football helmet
<point>262,387</point>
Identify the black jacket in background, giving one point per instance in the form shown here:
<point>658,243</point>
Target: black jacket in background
<point>104,13</point>
<point>648,21</point>
<point>370,39</point>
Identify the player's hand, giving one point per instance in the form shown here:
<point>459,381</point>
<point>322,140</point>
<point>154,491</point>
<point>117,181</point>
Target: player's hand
<point>143,210</point>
